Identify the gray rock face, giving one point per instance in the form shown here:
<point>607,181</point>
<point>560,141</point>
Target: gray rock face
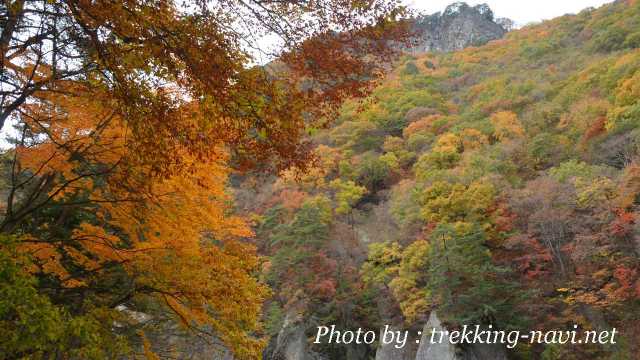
<point>459,26</point>
<point>448,351</point>
<point>391,352</point>
<point>435,351</point>
<point>291,342</point>
<point>296,348</point>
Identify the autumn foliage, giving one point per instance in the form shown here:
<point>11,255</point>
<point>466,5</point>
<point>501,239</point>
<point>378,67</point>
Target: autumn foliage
<point>131,117</point>
<point>166,193</point>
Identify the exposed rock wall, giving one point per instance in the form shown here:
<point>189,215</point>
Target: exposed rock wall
<point>459,26</point>
<point>391,352</point>
<point>291,343</point>
<point>440,351</point>
<point>448,351</point>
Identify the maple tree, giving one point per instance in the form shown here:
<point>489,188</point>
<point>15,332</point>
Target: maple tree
<point>95,224</point>
<point>155,55</point>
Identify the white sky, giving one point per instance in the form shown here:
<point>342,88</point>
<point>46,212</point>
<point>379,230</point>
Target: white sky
<point>520,11</point>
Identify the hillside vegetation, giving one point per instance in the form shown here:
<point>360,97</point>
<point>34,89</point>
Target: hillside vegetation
<point>498,184</point>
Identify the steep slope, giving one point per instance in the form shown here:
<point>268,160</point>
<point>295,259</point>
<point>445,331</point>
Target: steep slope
<point>497,185</point>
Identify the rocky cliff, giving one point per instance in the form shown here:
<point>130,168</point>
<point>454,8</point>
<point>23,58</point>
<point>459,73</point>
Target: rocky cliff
<point>448,351</point>
<point>459,26</point>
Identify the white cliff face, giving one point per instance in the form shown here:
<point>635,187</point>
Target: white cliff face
<point>437,350</point>
<point>391,352</point>
<point>447,351</point>
<point>459,26</point>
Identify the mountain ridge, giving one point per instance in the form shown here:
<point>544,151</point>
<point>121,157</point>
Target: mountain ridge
<point>457,27</point>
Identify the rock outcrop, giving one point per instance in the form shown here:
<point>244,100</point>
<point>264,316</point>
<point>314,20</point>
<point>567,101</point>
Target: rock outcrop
<point>459,26</point>
<point>392,352</point>
<point>291,341</point>
<point>439,351</point>
<point>448,351</point>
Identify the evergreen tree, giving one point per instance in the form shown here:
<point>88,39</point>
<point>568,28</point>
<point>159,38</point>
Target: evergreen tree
<point>466,285</point>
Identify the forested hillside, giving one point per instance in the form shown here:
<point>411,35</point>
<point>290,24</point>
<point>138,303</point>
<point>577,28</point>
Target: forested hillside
<point>496,185</point>
<point>164,197</point>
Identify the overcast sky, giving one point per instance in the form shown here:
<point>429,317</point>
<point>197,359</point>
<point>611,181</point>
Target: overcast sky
<point>520,11</point>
